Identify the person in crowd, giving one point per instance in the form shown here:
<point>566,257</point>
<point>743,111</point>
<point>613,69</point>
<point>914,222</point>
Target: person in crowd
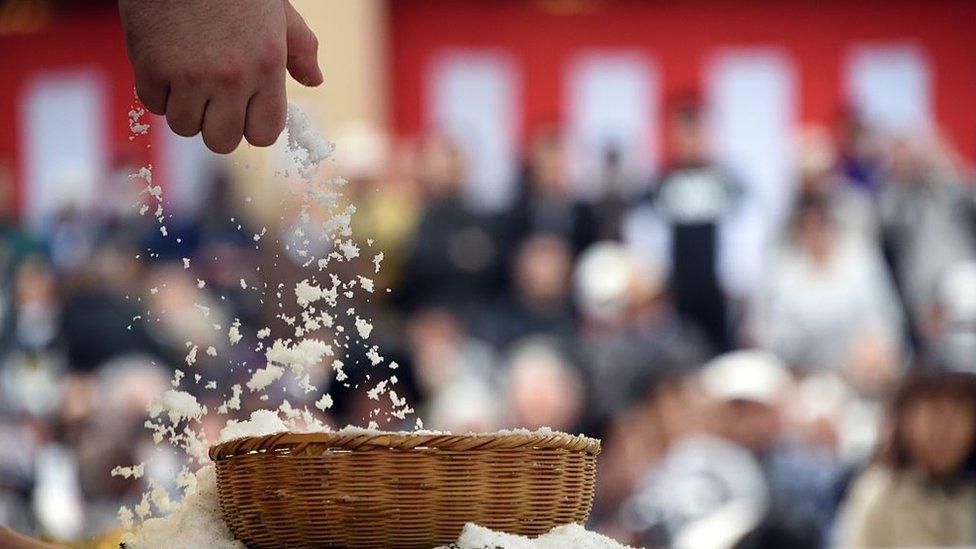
<point>455,258</point>
<point>920,490</point>
<point>629,326</point>
<point>448,362</point>
<point>950,325</point>
<point>546,202</point>
<point>693,197</point>
<point>733,479</point>
<point>820,174</point>
<point>540,302</point>
<point>925,213</point>
<point>543,387</point>
<point>828,302</point>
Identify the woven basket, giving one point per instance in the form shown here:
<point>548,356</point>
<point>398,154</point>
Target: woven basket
<point>400,490</point>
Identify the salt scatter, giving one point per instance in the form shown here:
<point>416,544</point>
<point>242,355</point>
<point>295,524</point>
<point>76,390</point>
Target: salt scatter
<point>211,351</point>
<point>201,283</point>
<point>349,249</point>
<point>377,259</point>
<point>195,523</point>
<point>191,357</point>
<point>306,294</point>
<point>133,471</point>
<point>186,262</point>
<point>304,142</point>
<point>263,377</point>
<point>234,402</point>
<point>324,403</point>
<point>363,327</point>
<point>243,284</point>
<point>366,283</point>
<point>262,422</point>
<point>373,355</point>
<point>307,352</point>
<point>234,333</point>
<point>178,405</point>
<point>560,537</point>
<point>263,333</point>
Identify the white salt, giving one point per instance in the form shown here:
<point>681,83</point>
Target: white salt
<point>134,471</point>
<point>324,403</point>
<point>264,377</point>
<point>195,523</point>
<point>234,333</point>
<point>561,537</point>
<point>262,422</point>
<point>363,327</point>
<point>178,405</point>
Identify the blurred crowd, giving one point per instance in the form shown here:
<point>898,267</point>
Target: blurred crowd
<point>834,403</point>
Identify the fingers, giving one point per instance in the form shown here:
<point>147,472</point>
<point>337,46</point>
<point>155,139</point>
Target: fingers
<point>153,96</point>
<point>223,123</point>
<point>266,113</point>
<point>184,110</point>
<point>303,49</point>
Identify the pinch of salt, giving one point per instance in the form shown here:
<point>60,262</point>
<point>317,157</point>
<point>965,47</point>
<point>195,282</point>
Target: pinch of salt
<point>263,333</point>
<point>178,405</point>
<point>324,403</point>
<point>243,284</point>
<point>201,283</point>
<point>211,351</point>
<point>191,357</point>
<point>234,333</point>
<point>363,327</point>
<point>186,262</point>
<point>264,377</point>
<point>134,471</point>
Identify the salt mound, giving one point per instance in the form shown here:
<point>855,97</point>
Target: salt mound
<point>560,537</point>
<point>262,422</point>
<point>197,523</point>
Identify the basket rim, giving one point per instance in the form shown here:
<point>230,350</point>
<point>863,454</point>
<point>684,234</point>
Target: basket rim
<point>293,443</point>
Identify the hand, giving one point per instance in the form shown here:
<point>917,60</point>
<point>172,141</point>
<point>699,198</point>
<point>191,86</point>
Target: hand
<point>218,66</point>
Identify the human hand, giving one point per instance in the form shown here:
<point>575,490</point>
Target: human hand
<point>218,66</point>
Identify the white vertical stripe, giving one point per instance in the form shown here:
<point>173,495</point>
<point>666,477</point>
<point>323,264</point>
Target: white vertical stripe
<point>890,86</point>
<point>751,106</point>
<point>64,135</point>
<point>612,100</point>
<point>473,97</point>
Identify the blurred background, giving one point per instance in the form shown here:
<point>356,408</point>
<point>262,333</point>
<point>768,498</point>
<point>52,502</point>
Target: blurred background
<point>733,239</point>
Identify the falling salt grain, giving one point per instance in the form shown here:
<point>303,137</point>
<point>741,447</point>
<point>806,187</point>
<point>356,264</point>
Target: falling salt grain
<point>264,377</point>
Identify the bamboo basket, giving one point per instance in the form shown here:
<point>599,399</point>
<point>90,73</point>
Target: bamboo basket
<point>400,490</point>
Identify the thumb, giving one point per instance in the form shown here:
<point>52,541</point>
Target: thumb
<point>303,49</point>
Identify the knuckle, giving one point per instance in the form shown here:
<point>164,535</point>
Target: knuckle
<point>189,76</point>
<point>229,74</point>
<point>270,59</point>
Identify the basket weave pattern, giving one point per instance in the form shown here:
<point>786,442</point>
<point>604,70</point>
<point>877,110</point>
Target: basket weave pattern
<point>400,490</point>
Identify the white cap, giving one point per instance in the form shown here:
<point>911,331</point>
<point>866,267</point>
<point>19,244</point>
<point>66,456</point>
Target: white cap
<point>608,272</point>
<point>753,375</point>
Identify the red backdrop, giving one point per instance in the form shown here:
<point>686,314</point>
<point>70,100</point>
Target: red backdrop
<point>542,35</point>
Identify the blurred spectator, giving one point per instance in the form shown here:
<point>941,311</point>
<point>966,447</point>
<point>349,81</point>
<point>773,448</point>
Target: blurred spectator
<point>693,197</point>
<point>540,300</point>
<point>544,389</point>
<point>455,257</point>
<point>920,489</point>
<point>951,321</point>
<point>926,211</point>
<point>546,203</point>
<point>630,329</point>
<point>828,300</point>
